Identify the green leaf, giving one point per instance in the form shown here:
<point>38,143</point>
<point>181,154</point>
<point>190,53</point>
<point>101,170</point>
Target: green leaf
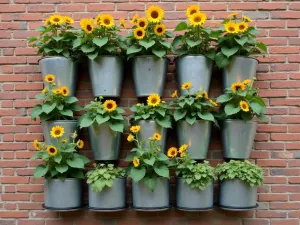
<point>231,109</point>
<point>61,168</point>
<point>159,52</point>
<point>192,43</point>
<point>117,117</point>
<point>146,44</point>
<point>221,60</point>
<point>75,163</point>
<point>164,122</point>
<point>190,120</point>
<point>58,50</point>
<point>37,110</point>
<point>161,112</point>
<point>137,173</point>
<point>181,26</point>
<point>151,182</point>
<point>162,157</point>
<point>229,51</point>
<point>177,41</point>
<point>67,112</point>
<point>133,49</point>
<point>150,161</point>
<point>120,110</point>
<point>86,122</point>
<point>40,171</point>
<point>58,158</point>
<point>211,55</point>
<point>66,53</point>
<point>100,41</point>
<point>40,96</point>
<point>118,127</point>
<point>162,171</point>
<point>77,42</point>
<point>224,98</point>
<point>262,117</point>
<point>71,99</point>
<point>179,114</point>
<point>256,107</point>
<point>57,38</point>
<point>262,46</point>
<point>166,44</point>
<point>87,48</point>
<point>206,116</point>
<point>100,119</point>
<point>242,40</point>
<point>48,107</point>
<point>92,56</point>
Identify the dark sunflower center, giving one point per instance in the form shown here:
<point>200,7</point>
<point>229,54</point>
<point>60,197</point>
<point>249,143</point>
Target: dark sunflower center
<point>153,100</point>
<point>139,33</point>
<point>159,30</point>
<point>142,24</point>
<point>89,28</point>
<point>50,79</point>
<point>231,28</point>
<point>109,106</point>
<point>197,19</point>
<point>57,132</point>
<point>154,14</point>
<point>52,150</point>
<point>193,11</point>
<point>56,19</point>
<point>106,21</point>
<point>242,27</point>
<point>173,152</point>
<point>64,91</point>
<point>244,106</point>
<point>238,87</point>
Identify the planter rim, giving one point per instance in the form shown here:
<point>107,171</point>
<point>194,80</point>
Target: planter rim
<point>153,56</point>
<point>236,179</point>
<point>108,56</point>
<point>184,121</point>
<point>65,121</point>
<point>68,179</point>
<point>179,57</point>
<point>58,56</point>
<point>249,121</point>
<point>249,57</point>
<point>115,179</point>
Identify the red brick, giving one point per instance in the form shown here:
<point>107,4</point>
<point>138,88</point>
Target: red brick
<point>285,222</point>
<point>272,197</point>
<point>13,214</point>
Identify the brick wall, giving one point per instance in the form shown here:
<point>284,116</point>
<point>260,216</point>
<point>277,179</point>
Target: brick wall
<point>278,76</point>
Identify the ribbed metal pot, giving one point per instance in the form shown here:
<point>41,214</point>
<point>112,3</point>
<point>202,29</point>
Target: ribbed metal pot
<point>149,74</point>
<point>237,194</point>
<point>69,127</point>
<point>196,69</point>
<point>237,138</point>
<point>105,142</point>
<point>241,68</point>
<point>109,198</point>
<point>148,128</point>
<point>196,136</point>
<point>193,198</point>
<point>106,74</point>
<point>144,198</point>
<point>64,70</point>
<point>65,194</point>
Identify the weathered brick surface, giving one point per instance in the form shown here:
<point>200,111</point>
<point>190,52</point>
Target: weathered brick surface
<point>276,140</point>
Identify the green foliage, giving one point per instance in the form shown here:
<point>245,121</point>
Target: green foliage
<point>55,106</point>
<point>103,176</point>
<point>241,101</point>
<point>242,170</point>
<point>99,113</point>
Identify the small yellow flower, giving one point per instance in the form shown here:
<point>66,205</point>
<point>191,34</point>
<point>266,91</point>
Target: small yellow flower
<point>247,19</point>
<point>182,154</point>
<point>157,136</point>
<point>233,14</point>
<point>202,95</point>
<point>97,20</point>
<point>197,19</point>
<point>192,10</point>
<point>37,145</point>
<point>242,27</point>
<point>56,91</point>
<point>247,82</point>
<point>186,86</point>
<point>142,22</point>
<point>74,135</point>
<point>183,148</point>
<point>231,28</point>
<point>107,20</point>
<point>172,152</point>
<point>136,162</point>
<point>134,18</point>
<point>153,100</point>
<point>123,23</point>
<point>51,150</point>
<point>65,91</point>
<point>160,29</point>
<point>49,78</point>
<point>110,105</point>
<point>44,90</point>
<point>56,19</point>
<point>244,106</point>
<point>80,143</point>
<point>87,25</point>
<point>139,33</point>
<point>135,129</point>
<point>155,14</point>
<point>65,140</point>
<point>237,86</point>
<point>174,94</point>
<point>213,103</point>
<point>47,22</point>
<point>68,20</point>
<point>130,138</point>
<point>57,131</point>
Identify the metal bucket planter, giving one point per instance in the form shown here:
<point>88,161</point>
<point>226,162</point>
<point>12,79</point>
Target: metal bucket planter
<point>64,70</point>
<point>196,69</point>
<point>105,142</point>
<point>144,199</point>
<point>148,128</point>
<point>237,138</point>
<point>149,74</point>
<point>237,194</point>
<point>106,74</point>
<point>196,136</point>
<point>241,68</point>
<point>109,199</point>
<point>63,195</point>
<point>69,127</point>
<point>193,199</point>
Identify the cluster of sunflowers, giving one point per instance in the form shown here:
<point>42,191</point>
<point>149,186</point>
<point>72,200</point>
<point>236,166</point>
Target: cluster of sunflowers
<point>50,78</point>
<point>232,25</point>
<point>58,20</point>
<point>195,16</point>
<point>241,86</point>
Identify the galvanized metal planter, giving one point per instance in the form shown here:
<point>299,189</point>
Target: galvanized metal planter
<point>69,127</point>
<point>196,69</point>
<point>237,138</point>
<point>106,74</point>
<point>148,128</point>
<point>237,194</point>
<point>105,142</point>
<point>144,199</point>
<point>241,68</point>
<point>64,70</point>
<point>113,198</point>
<point>149,74</point>
<point>65,194</point>
<point>196,136</point>
<point>193,199</point>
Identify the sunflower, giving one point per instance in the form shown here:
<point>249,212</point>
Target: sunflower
<point>44,90</point>
<point>87,25</point>
<point>106,20</point>
<point>186,86</point>
<point>183,148</point>
<point>57,131</point>
<point>231,27</point>
<point>65,91</point>
<point>68,20</point>
<point>247,82</point>
<point>244,106</point>
<point>51,150</point>
<point>130,138</point>
<point>155,14</point>
<point>213,103</point>
<point>197,19</point>
<point>191,10</point>
<point>134,18</point>
<point>56,20</point>
<point>122,23</point>
<point>182,154</point>
<point>80,143</point>
<point>142,22</point>
<point>247,19</point>
<point>74,134</point>
<point>157,136</point>
<point>49,78</point>
<point>47,22</point>
<point>172,152</point>
<point>242,27</point>
<point>174,94</point>
<point>233,14</point>
<point>110,105</point>
<point>202,95</point>
<point>56,91</point>
<point>160,29</point>
<point>139,33</point>
<point>135,129</point>
<point>37,145</point>
<point>97,20</point>
<point>153,100</point>
<point>136,162</point>
<point>65,140</point>
<point>237,86</point>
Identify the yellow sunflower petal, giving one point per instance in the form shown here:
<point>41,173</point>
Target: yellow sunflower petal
<point>197,19</point>
<point>139,33</point>
<point>107,20</point>
<point>135,129</point>
<point>231,28</point>
<point>192,9</point>
<point>160,29</point>
<point>142,22</point>
<point>110,105</point>
<point>244,106</point>
<point>52,150</point>
<point>50,78</point>
<point>186,86</point>
<point>57,131</point>
<point>136,162</point>
<point>172,152</point>
<point>155,14</point>
<point>153,100</point>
